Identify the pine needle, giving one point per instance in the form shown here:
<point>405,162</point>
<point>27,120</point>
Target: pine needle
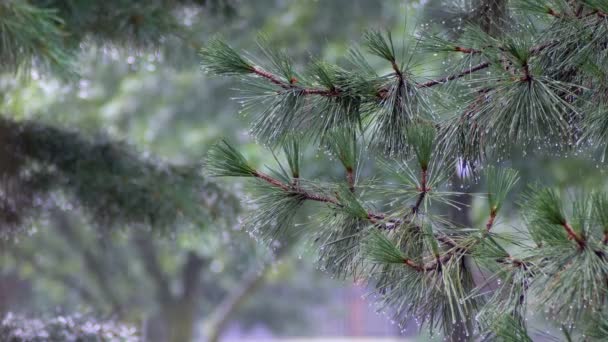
<point>223,160</point>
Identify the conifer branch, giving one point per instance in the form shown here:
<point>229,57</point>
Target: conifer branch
<point>524,99</point>
<point>350,178</point>
<point>490,222</point>
<point>274,79</point>
<point>423,191</point>
<point>466,50</point>
<point>270,180</point>
<point>446,79</point>
<point>553,13</point>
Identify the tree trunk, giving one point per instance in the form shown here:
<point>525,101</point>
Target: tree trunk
<point>224,312</point>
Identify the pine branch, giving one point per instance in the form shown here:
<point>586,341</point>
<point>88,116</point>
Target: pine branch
<point>446,79</point>
<point>418,256</point>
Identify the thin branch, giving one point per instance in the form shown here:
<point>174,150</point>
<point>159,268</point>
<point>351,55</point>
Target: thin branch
<point>526,70</point>
<point>466,72</point>
<point>271,181</point>
<point>552,12</point>
<point>350,178</point>
<point>272,78</point>
<point>423,191</point>
<point>572,235</point>
<point>466,50</point>
<point>398,72</point>
<point>491,220</point>
<point>290,86</point>
<point>377,218</point>
<point>481,66</point>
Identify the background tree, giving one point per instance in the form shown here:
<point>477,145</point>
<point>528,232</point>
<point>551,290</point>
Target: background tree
<point>529,81</point>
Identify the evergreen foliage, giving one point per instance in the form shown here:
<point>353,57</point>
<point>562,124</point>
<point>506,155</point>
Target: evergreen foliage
<point>525,77</point>
<point>48,34</point>
<point>46,167</point>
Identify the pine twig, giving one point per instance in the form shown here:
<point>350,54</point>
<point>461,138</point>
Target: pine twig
<point>446,79</point>
<point>572,235</point>
<point>291,86</point>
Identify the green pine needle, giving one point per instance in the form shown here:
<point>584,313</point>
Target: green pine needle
<point>507,328</point>
<point>32,36</point>
<point>340,243</point>
<point>379,45</point>
<point>274,213</point>
<point>323,73</point>
<point>500,181</point>
<point>350,204</point>
<point>219,58</point>
<point>544,205</point>
<point>421,138</point>
<point>600,209</point>
<point>379,249</point>
<point>343,144</point>
<point>291,148</point>
<point>598,327</point>
<point>223,160</point>
<point>278,58</point>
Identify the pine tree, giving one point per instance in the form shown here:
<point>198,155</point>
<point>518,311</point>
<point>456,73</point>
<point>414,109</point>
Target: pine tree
<point>524,77</point>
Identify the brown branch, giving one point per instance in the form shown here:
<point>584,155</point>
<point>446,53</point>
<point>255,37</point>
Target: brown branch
<point>491,220</point>
<point>552,12</point>
<point>398,72</point>
<point>270,180</point>
<point>373,217</point>
<point>475,68</point>
<point>376,218</point>
<point>572,235</point>
<point>605,240</point>
<point>350,178</point>
<point>466,50</point>
<point>291,85</point>
<point>433,265</point>
<point>272,78</point>
<point>527,77</point>
<point>423,191</point>
<point>466,72</point>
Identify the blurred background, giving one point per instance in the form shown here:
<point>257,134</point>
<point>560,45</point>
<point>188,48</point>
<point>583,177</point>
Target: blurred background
<point>206,275</point>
